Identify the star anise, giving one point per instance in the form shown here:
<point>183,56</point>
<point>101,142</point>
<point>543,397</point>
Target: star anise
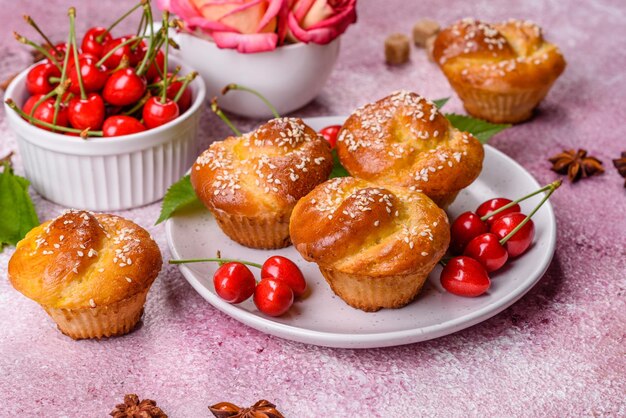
<point>620,164</point>
<point>261,409</point>
<point>576,164</point>
<point>133,408</point>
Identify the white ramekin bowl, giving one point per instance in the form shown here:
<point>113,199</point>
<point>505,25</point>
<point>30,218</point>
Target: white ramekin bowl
<point>106,173</point>
<point>289,77</point>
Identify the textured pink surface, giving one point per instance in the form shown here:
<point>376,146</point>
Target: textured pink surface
<point>557,352</point>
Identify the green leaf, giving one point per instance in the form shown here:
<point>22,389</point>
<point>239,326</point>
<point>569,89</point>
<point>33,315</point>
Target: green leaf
<point>179,195</point>
<point>441,102</point>
<point>482,130</point>
<point>338,169</point>
<point>17,212</point>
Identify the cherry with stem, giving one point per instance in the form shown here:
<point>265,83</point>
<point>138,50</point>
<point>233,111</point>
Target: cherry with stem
<point>51,126</point>
<point>552,186</point>
<point>100,37</point>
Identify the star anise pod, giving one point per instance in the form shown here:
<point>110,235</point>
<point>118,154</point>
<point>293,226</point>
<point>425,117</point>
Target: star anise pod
<point>576,164</point>
<point>620,164</point>
<point>133,408</point>
<point>261,409</point>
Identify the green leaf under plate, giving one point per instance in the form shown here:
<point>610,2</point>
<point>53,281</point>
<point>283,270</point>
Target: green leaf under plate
<point>17,212</point>
<point>180,194</point>
<point>481,129</point>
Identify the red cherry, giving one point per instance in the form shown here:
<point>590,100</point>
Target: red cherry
<point>45,113</point>
<point>273,297</point>
<point>94,77</point>
<point>30,103</point>
<point>330,134</point>
<point>521,240</point>
<point>58,52</point>
<point>114,60</point>
<point>285,270</point>
<point>124,87</point>
<point>156,113</point>
<point>464,276</point>
<point>184,102</point>
<point>119,125</point>
<point>487,250</point>
<point>153,73</point>
<point>493,204</point>
<point>465,227</point>
<point>234,282</point>
<point>137,52</point>
<point>88,113</point>
<point>38,78</point>
<point>91,44</point>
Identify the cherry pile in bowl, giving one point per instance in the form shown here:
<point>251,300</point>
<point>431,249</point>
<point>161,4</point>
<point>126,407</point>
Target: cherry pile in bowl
<point>485,240</point>
<point>281,282</point>
<point>106,86</point>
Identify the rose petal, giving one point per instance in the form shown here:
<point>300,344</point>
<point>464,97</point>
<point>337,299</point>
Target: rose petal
<point>246,43</point>
<point>326,30</point>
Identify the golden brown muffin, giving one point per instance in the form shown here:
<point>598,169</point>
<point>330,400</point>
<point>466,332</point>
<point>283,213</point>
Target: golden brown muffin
<point>251,183</point>
<point>90,272</point>
<point>375,245</point>
<point>403,140</point>
<point>500,71</point>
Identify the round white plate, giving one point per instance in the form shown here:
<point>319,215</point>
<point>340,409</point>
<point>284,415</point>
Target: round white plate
<point>324,319</point>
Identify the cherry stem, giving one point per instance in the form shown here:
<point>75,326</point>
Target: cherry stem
<point>39,48</point>
<point>188,79</point>
<point>58,90</point>
<point>216,260</point>
<point>32,23</point>
<point>66,60</point>
<point>165,26</point>
<point>172,78</point>
<point>79,75</point>
<point>552,187</point>
<point>35,121</point>
<point>234,86</point>
<point>111,52</point>
<point>100,37</point>
<point>215,108</point>
<point>150,22</point>
<point>138,105</point>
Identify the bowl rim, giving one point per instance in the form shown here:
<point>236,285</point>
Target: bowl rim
<point>18,84</point>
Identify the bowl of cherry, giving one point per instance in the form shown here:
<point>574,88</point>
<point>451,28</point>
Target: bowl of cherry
<point>116,130</point>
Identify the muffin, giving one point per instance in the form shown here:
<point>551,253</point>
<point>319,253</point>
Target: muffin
<point>502,71</point>
<point>374,244</point>
<point>251,183</point>
<point>404,140</point>
<point>90,272</point>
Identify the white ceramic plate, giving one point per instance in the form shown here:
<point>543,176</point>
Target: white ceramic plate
<point>324,319</point>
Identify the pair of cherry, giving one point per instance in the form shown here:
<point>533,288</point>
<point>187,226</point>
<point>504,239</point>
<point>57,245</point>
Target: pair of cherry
<point>281,282</point>
<point>486,239</point>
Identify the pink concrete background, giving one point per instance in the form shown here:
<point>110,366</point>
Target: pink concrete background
<point>557,352</point>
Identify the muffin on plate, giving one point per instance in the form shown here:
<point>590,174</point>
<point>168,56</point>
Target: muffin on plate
<point>500,71</point>
<point>404,140</point>
<point>374,244</point>
<point>251,183</point>
<point>90,272</point>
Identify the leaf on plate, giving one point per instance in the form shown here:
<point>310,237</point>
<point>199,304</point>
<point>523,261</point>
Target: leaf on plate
<point>338,169</point>
<point>481,129</point>
<point>17,212</point>
<point>180,194</point>
<point>441,102</point>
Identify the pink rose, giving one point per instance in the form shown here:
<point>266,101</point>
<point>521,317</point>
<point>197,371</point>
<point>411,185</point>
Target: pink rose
<point>245,25</point>
<point>320,21</point>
